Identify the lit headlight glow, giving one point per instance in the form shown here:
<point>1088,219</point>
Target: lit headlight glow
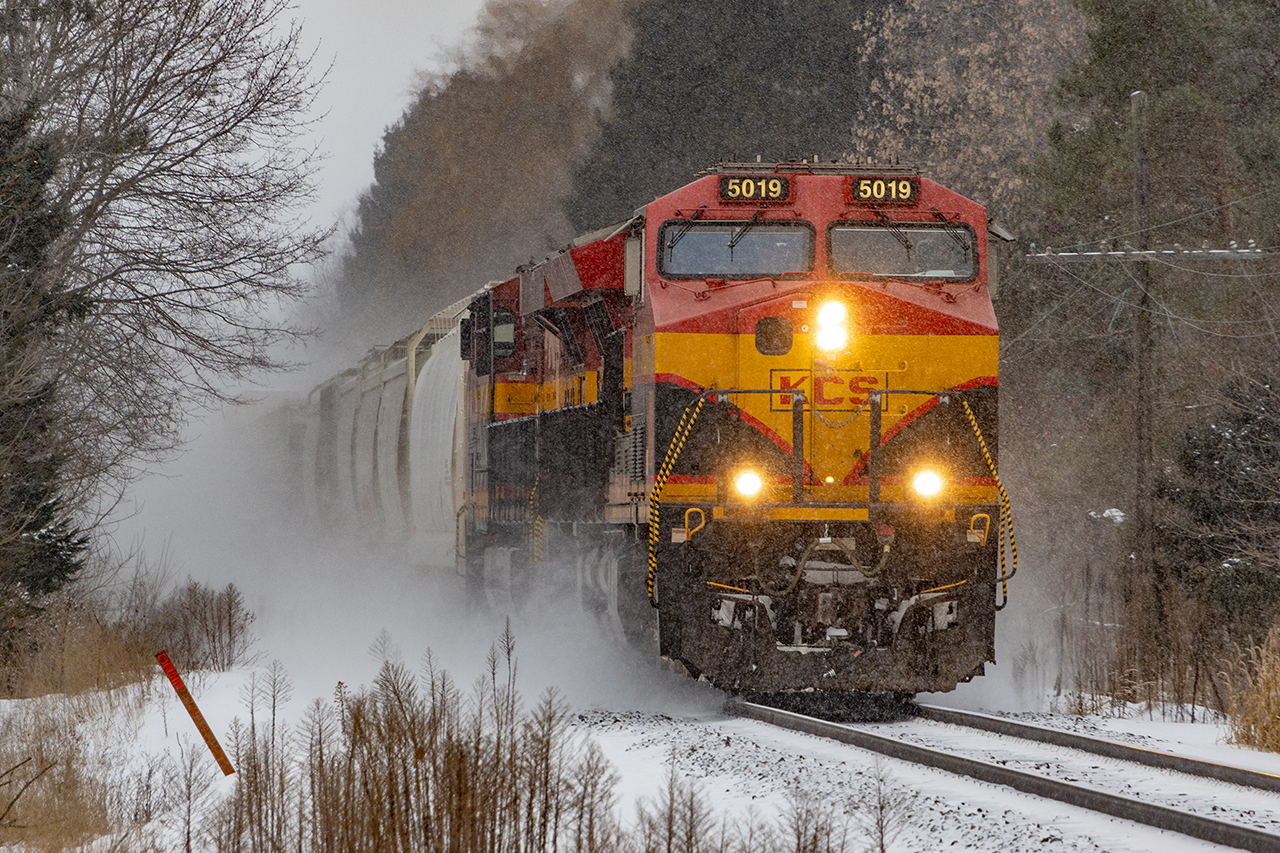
<point>927,483</point>
<point>831,337</point>
<point>831,314</point>
<point>831,326</point>
<point>747,484</point>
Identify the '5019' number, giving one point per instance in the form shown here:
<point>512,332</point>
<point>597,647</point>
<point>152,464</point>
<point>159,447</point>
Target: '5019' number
<point>885,189</point>
<point>755,189</point>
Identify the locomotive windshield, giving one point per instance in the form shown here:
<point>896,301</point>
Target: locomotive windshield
<point>747,249</point>
<point>902,250</point>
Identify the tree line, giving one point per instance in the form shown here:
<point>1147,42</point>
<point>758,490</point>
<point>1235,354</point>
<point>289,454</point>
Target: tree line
<point>149,188</point>
<point>148,228</point>
<point>1022,105</point>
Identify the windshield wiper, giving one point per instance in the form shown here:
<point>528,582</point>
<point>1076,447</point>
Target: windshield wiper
<point>684,229</point>
<point>742,232</point>
<point>896,232</point>
<point>955,232</point>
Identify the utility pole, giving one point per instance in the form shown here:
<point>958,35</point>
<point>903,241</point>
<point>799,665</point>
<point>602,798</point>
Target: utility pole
<point>1144,256</point>
<point>1143,493</point>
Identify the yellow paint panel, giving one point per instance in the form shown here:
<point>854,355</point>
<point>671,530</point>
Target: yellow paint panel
<point>932,362</point>
<point>689,492</point>
<point>963,495</point>
<point>707,360</point>
<point>515,398</point>
<point>818,514</point>
<point>790,513</point>
<point>837,425</point>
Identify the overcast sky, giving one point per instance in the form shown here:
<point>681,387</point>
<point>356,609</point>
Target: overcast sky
<point>377,47</point>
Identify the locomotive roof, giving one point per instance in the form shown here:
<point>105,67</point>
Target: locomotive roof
<point>803,168</point>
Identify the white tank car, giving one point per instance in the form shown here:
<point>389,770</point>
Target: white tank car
<point>377,454</point>
<point>437,447</point>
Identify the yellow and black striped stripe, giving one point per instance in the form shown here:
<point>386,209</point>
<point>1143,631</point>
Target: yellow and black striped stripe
<point>1006,514</point>
<point>655,497</point>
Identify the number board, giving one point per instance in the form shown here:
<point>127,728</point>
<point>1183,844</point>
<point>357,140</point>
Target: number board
<point>884,189</point>
<point>751,188</point>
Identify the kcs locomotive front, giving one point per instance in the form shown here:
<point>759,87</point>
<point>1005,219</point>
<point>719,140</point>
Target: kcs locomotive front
<point>759,421</point>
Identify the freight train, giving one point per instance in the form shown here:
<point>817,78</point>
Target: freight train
<point>754,425</point>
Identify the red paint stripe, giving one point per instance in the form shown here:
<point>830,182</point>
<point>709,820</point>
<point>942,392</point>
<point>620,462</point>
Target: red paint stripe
<point>913,416</point>
<point>902,481</point>
<point>908,419</point>
<point>676,379</point>
<point>978,382</point>
<point>911,310</point>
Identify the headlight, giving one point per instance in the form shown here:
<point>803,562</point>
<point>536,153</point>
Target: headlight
<point>831,337</point>
<point>831,326</point>
<point>747,484</point>
<point>831,314</point>
<point>927,483</point>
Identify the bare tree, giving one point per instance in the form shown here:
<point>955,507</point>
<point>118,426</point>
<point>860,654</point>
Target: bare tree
<point>973,95</point>
<point>888,809</point>
<point>179,181</point>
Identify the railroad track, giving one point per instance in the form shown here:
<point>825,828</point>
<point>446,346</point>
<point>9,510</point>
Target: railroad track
<point>1115,805</point>
<point>1105,748</point>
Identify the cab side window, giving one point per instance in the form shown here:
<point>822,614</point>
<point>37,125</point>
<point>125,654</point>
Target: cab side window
<point>504,333</point>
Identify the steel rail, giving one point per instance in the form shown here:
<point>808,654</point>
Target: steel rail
<point>1105,748</point>
<point>1125,808</point>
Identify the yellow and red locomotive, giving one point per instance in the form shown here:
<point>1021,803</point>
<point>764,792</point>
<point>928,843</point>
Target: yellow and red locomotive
<point>757,421</point>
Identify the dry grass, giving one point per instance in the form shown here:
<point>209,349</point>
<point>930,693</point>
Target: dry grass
<point>409,764</point>
<point>83,661</point>
<point>82,639</point>
<point>75,646</point>
<point>1126,642</point>
<point>412,763</point>
<point>1254,708</point>
<point>63,785</point>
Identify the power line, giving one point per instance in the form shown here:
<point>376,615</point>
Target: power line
<point>1149,255</point>
<point>1197,215</point>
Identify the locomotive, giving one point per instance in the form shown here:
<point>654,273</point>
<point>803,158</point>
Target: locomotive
<point>755,424</point>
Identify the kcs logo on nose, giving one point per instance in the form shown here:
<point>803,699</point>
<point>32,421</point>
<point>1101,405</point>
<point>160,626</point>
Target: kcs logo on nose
<point>836,390</point>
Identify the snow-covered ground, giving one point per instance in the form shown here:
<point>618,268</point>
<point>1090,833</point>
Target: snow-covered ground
<point>743,764</point>
<point>321,607</point>
<point>747,769</point>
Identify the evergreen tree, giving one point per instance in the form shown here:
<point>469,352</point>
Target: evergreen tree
<point>1210,82</point>
<point>1223,492</point>
<point>723,81</point>
<point>1211,73</point>
<point>1212,120</point>
<point>40,546</point>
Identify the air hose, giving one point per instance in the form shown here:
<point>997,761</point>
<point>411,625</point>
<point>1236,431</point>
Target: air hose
<point>854,565</point>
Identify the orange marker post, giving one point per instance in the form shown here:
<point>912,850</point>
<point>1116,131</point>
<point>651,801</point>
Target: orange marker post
<point>196,717</point>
